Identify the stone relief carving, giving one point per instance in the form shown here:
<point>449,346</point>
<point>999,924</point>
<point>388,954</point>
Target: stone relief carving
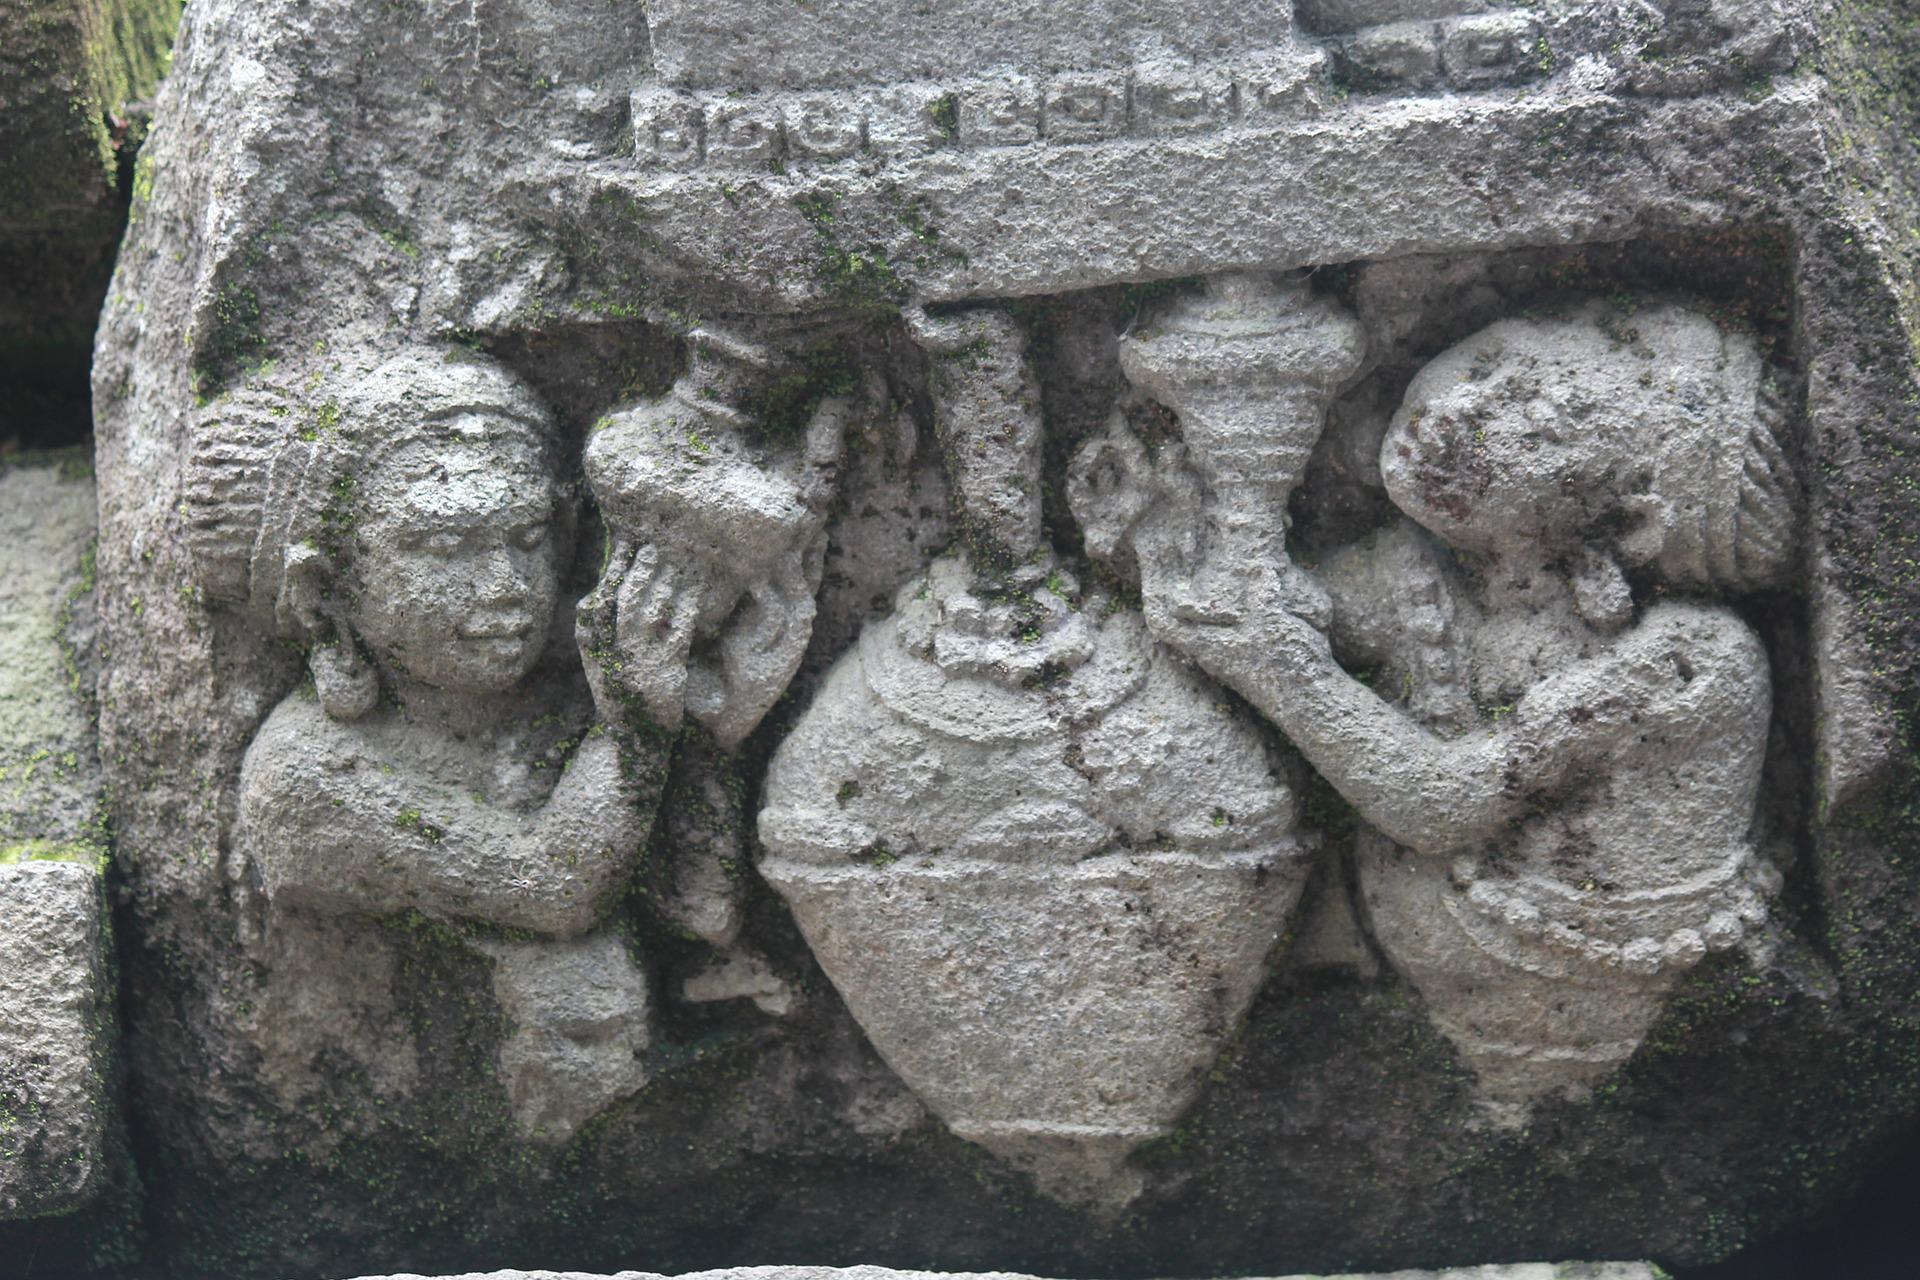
<point>1041,861</point>
<point>414,535</point>
<point>1559,775</point>
<point>409,528</point>
<point>1151,819</point>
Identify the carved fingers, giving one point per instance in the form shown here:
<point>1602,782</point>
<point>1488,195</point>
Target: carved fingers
<point>659,604</point>
<point>593,622</point>
<point>756,653</point>
<point>636,630</point>
<point>683,636</point>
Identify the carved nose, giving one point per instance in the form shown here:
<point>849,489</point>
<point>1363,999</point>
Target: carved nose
<point>499,580</point>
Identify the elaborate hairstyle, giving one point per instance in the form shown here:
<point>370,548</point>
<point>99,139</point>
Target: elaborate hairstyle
<point>271,484</point>
<point>1731,511</point>
<point>267,477</point>
<point>1704,471</point>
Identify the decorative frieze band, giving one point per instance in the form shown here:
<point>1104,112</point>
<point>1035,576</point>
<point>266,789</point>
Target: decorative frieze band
<point>677,128</point>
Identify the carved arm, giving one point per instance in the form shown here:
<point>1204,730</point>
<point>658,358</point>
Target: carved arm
<point>332,829</point>
<point>1685,674</point>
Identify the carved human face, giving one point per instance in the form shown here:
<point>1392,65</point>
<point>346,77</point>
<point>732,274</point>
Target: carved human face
<point>1497,456</point>
<point>457,561</point>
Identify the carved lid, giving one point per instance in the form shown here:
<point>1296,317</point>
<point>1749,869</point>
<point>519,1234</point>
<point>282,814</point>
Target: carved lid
<point>1246,330</point>
<point>999,670</point>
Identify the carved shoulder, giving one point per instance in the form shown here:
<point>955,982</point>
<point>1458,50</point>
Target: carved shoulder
<point>296,761</point>
<point>1714,654</point>
<point>1685,672</point>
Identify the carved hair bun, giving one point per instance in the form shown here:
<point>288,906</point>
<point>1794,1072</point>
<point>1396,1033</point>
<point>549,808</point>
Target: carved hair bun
<point>1686,407</point>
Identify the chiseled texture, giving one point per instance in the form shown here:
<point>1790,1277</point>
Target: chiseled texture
<point>1047,909</point>
<point>49,763</point>
<point>745,276</point>
<point>1543,870</point>
<point>56,1011</point>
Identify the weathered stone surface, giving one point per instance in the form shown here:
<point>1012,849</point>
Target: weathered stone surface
<point>69,71</point>
<point>56,1001</point>
<point>1045,913</point>
<point>56,1021</point>
<point>1519,446</point>
<point>1294,630</point>
<point>49,763</point>
<point>65,1183</point>
<point>76,77</point>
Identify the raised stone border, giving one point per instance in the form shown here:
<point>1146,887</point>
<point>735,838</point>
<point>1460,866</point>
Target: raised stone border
<point>680,129</point>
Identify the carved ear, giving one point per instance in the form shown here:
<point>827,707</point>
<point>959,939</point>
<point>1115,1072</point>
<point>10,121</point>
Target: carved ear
<point>1109,487</point>
<point>306,582</point>
<point>347,684</point>
<point>1650,514</point>
<point>1600,591</point>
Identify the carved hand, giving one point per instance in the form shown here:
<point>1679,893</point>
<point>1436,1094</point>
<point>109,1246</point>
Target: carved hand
<point>1230,616</point>
<point>706,603</point>
<point>635,632</point>
<point>759,648</point>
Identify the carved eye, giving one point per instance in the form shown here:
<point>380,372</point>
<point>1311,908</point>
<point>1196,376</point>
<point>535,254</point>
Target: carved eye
<point>529,536</point>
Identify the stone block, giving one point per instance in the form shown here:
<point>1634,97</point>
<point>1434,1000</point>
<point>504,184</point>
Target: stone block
<point>811,43</point>
<point>1493,48</point>
<point>1513,1271</point>
<point>56,1020</point>
<point>1402,55</point>
<point>683,684</point>
<point>1000,112</point>
<point>1171,99</point>
<point>76,77</point>
<point>49,763</point>
<point>1324,17</point>
<point>56,1001</point>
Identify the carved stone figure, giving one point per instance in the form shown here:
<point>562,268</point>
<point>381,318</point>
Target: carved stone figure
<point>1560,778</point>
<point>414,537</point>
<point>1041,862</point>
<point>870,810</point>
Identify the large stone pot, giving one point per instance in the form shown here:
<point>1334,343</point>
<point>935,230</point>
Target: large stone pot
<point>1044,864</point>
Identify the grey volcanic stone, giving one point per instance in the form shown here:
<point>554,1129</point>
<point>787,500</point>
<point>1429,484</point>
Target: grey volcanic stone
<point>50,776</point>
<point>617,522</point>
<point>56,1025</point>
<point>76,84</point>
<point>60,1133</point>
